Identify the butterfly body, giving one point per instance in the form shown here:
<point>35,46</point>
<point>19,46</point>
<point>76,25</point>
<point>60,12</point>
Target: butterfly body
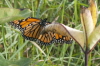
<point>31,29</point>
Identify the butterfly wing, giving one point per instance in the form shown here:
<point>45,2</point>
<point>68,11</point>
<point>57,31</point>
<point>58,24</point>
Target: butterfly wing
<point>50,37</point>
<point>62,39</point>
<point>30,27</point>
<point>46,38</point>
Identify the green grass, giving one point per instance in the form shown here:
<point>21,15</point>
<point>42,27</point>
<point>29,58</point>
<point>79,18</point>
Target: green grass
<point>13,47</point>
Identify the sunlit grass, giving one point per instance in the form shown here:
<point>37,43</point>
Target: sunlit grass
<point>13,47</point>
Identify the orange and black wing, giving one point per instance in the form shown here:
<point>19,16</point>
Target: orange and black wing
<point>62,39</point>
<point>30,27</point>
<point>46,38</point>
<point>50,37</point>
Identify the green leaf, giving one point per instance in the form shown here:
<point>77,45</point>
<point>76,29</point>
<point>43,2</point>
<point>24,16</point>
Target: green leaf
<point>21,62</point>
<point>4,62</point>
<point>94,37</point>
<point>10,14</point>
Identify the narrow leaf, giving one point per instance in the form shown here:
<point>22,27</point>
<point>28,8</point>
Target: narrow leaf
<point>87,22</point>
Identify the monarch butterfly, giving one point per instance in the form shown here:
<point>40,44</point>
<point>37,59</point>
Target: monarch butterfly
<point>31,30</point>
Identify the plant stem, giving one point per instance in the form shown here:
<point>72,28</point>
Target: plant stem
<point>86,57</point>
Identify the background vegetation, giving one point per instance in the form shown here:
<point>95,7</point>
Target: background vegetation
<point>16,51</point>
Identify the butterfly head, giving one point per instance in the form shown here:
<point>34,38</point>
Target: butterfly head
<point>44,22</point>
